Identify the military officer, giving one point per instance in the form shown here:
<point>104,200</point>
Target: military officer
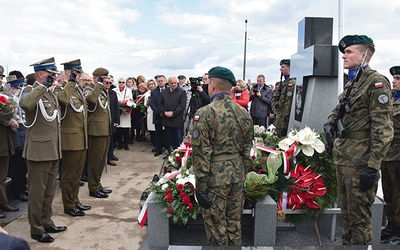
<point>220,158</point>
<point>99,131</point>
<point>42,149</point>
<point>390,170</point>
<point>282,99</point>
<point>364,115</point>
<point>74,137</point>
<point>1,78</point>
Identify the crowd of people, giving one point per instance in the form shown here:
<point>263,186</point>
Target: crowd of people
<point>70,123</point>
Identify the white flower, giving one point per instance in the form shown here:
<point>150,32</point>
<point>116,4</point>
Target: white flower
<point>308,139</point>
<point>164,186</point>
<point>189,178</point>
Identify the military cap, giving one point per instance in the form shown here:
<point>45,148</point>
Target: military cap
<point>221,72</point>
<point>15,79</point>
<point>48,65</point>
<point>354,39</point>
<point>285,61</point>
<point>100,72</point>
<point>395,70</point>
<point>1,71</point>
<point>180,77</point>
<point>30,79</point>
<point>76,64</point>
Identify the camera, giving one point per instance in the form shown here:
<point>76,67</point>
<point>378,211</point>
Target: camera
<point>195,81</point>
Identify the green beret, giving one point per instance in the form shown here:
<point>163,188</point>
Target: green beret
<point>351,40</point>
<point>224,73</point>
<point>100,72</point>
<point>285,61</point>
<point>395,70</point>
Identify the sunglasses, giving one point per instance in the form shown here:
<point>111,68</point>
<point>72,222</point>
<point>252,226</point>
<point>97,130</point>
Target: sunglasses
<point>121,82</point>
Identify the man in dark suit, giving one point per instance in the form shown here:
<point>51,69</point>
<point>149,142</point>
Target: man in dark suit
<point>74,137</point>
<point>115,121</point>
<point>42,149</point>
<point>157,119</point>
<point>99,131</point>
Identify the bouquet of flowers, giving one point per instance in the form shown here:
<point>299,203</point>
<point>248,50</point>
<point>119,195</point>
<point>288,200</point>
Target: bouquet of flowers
<point>311,183</point>
<point>266,136</point>
<point>141,105</point>
<point>7,109</point>
<point>127,105</point>
<point>176,190</point>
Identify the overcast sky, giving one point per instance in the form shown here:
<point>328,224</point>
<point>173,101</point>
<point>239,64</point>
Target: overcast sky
<point>172,37</point>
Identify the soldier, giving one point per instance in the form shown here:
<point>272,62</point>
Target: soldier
<point>219,159</point>
<point>364,121</point>
<point>99,131</point>
<point>390,170</point>
<point>74,137</point>
<point>282,99</point>
<point>42,149</point>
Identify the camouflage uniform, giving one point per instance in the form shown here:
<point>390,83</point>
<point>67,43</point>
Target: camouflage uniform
<point>221,139</point>
<point>282,105</point>
<point>390,184</point>
<point>368,134</point>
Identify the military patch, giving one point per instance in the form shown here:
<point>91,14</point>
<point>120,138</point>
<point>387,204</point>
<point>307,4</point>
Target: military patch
<point>289,93</point>
<point>196,117</point>
<point>195,133</point>
<point>378,85</point>
<point>383,98</point>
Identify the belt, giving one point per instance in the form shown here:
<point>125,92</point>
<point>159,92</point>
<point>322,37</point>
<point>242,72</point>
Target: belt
<point>356,135</point>
<point>224,157</point>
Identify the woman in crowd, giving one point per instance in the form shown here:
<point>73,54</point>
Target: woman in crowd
<point>125,102</point>
<point>240,94</point>
<point>131,84</point>
<point>151,85</point>
<point>138,113</point>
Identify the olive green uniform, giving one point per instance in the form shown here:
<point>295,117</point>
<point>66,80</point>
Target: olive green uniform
<point>42,151</point>
<point>390,184</point>
<point>74,140</point>
<point>99,133</point>
<point>368,134</point>
<point>222,137</point>
<point>282,105</point>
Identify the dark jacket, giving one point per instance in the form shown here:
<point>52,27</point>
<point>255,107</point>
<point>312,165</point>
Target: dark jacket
<point>114,109</point>
<point>261,106</point>
<point>154,99</point>
<point>175,101</point>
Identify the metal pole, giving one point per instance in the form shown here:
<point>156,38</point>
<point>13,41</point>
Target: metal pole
<point>245,45</point>
<point>340,35</point>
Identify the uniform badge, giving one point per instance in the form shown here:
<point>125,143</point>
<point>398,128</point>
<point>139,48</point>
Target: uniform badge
<point>195,133</point>
<point>196,117</point>
<point>378,85</point>
<point>289,93</point>
<point>383,98</point>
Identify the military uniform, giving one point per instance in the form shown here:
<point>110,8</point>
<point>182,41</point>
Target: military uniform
<point>99,133</point>
<point>390,179</point>
<point>74,138</point>
<point>363,146</point>
<point>222,137</point>
<point>42,150</point>
<point>282,104</point>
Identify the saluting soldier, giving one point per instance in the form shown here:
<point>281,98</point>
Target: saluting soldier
<point>390,170</point>
<point>42,149</point>
<point>74,137</point>
<point>99,131</point>
<point>365,117</point>
<point>222,137</point>
<point>282,99</point>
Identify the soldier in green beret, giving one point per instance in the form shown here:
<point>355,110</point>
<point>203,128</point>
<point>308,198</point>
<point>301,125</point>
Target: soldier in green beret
<point>221,139</point>
<point>282,99</point>
<point>363,121</point>
<point>390,170</point>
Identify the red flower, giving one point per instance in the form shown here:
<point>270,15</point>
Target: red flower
<point>187,144</point>
<point>167,192</point>
<point>180,187</point>
<point>191,185</point>
<point>169,198</point>
<point>183,194</point>
<point>178,158</point>
<point>3,99</point>
<point>186,200</point>
<point>170,210</point>
<point>190,206</point>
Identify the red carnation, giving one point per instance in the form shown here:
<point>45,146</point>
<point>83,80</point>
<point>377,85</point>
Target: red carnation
<point>169,198</point>
<point>170,210</point>
<point>180,187</point>
<point>167,192</point>
<point>186,200</point>
<point>178,158</point>
<point>190,206</point>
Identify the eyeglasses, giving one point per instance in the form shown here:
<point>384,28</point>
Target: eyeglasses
<point>107,82</point>
<point>121,82</point>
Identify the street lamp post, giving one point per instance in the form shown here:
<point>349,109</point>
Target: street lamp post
<point>245,45</point>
